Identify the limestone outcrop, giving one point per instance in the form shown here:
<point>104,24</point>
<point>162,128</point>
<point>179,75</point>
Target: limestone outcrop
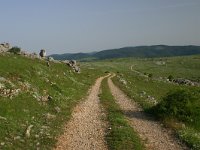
<point>4,47</point>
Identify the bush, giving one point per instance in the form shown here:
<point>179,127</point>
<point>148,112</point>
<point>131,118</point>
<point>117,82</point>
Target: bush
<point>15,50</point>
<point>183,105</point>
<point>170,77</point>
<point>150,75</point>
<point>107,72</point>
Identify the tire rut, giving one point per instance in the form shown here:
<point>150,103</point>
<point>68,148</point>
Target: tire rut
<point>85,130</point>
<point>155,137</point>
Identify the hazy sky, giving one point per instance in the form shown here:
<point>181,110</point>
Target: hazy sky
<point>65,26</point>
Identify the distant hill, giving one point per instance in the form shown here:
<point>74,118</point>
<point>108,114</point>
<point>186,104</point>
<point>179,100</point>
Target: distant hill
<point>138,51</point>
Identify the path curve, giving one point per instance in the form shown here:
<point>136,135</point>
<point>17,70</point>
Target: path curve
<point>85,130</point>
<point>154,136</point>
<point>137,72</point>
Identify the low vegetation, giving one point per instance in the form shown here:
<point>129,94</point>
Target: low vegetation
<point>184,107</point>
<point>120,135</point>
<point>15,50</point>
<point>36,99</point>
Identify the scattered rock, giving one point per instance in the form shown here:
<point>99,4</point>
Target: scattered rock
<point>50,98</point>
<point>123,81</point>
<point>50,59</point>
<point>50,116</point>
<point>2,143</point>
<point>183,125</point>
<point>76,69</point>
<point>160,62</point>
<point>151,99</point>
<point>185,82</point>
<point>2,85</point>
<point>17,138</point>
<point>72,62</point>
<point>28,131</point>
<point>36,96</point>
<point>9,92</point>
<point>143,93</point>
<point>73,65</point>
<point>3,118</point>
<point>45,127</point>
<point>57,109</point>
<point>44,98</point>
<point>48,63</point>
<point>2,79</point>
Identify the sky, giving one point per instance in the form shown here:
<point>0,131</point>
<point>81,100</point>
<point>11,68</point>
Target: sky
<point>69,26</point>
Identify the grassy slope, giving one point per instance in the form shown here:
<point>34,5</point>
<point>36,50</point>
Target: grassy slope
<point>121,136</point>
<point>65,87</point>
<point>179,67</point>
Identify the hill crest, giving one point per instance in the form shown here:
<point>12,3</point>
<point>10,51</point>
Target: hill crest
<point>138,51</point>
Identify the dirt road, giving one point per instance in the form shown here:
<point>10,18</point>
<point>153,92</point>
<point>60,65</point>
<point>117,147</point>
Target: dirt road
<point>154,136</point>
<point>85,130</point>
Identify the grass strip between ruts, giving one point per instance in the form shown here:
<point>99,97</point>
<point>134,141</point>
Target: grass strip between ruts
<point>120,135</point>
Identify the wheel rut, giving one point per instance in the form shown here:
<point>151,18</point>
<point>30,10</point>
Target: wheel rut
<point>155,137</point>
<point>85,130</point>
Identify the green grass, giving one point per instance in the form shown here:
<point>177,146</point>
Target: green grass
<point>121,136</point>
<point>179,67</point>
<point>191,137</point>
<point>187,67</point>
<point>35,79</point>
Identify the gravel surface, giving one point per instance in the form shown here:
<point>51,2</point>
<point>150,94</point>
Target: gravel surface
<point>85,130</point>
<point>155,137</point>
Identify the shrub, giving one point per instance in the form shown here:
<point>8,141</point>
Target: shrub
<point>150,75</point>
<point>170,77</point>
<point>183,105</point>
<point>15,50</point>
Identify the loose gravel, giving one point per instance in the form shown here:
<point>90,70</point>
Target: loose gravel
<point>85,130</point>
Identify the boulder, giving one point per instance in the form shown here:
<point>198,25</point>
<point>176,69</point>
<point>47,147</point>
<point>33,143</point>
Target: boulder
<point>50,59</point>
<point>77,69</point>
<point>72,62</point>
<point>42,53</point>
<point>4,47</point>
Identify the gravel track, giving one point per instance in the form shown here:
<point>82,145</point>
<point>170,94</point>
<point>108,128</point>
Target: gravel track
<point>155,137</point>
<point>85,130</point>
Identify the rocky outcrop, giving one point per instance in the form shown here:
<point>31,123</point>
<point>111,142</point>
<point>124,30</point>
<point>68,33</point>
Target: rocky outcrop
<point>4,47</point>
<point>185,82</point>
<point>73,65</point>
<point>29,55</point>
<point>42,53</point>
<point>50,59</point>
